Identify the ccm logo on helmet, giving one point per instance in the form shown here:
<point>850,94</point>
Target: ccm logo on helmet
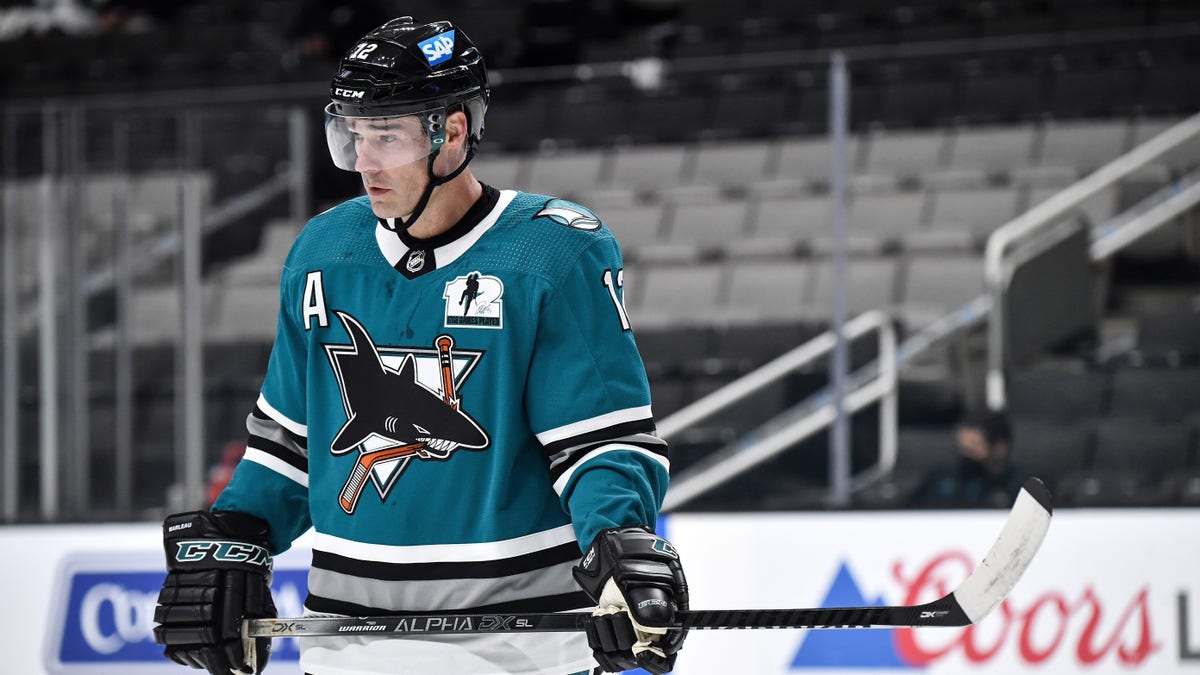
<point>438,48</point>
<point>348,93</point>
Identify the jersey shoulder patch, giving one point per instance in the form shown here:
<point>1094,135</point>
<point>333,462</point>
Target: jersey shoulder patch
<point>545,235</point>
<point>569,214</point>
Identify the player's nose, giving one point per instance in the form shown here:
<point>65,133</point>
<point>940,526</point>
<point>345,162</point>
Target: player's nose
<point>365,162</point>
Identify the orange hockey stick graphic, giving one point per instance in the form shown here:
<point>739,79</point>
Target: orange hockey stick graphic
<point>353,488</point>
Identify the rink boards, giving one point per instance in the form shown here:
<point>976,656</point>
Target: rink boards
<point>1111,591</point>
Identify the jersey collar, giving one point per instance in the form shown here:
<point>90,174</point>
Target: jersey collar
<point>414,257</point>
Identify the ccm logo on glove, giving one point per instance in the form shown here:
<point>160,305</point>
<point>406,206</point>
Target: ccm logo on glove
<point>222,551</point>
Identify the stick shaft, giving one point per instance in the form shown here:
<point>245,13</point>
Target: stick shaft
<point>943,612</point>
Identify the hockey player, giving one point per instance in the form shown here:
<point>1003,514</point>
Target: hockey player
<point>497,455</point>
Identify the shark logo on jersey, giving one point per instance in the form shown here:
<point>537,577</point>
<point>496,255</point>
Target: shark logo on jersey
<point>401,403</point>
<point>473,301</point>
<point>570,214</point>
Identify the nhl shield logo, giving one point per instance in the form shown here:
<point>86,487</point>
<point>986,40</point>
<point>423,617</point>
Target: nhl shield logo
<point>416,261</point>
<point>474,301</point>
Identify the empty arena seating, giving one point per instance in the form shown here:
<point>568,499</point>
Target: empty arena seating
<point>717,185</point>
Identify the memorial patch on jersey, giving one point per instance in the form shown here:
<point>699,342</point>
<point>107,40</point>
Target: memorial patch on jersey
<point>474,301</point>
<point>570,214</point>
<point>402,403</point>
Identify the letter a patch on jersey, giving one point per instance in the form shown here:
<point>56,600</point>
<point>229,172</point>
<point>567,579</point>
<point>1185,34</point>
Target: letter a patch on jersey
<point>402,403</point>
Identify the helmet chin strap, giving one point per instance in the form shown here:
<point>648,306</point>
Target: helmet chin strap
<point>402,225</point>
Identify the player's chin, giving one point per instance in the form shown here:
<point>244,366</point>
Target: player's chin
<point>384,203</point>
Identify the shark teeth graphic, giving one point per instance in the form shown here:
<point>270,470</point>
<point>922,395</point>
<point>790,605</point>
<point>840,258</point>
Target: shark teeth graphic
<point>439,448</point>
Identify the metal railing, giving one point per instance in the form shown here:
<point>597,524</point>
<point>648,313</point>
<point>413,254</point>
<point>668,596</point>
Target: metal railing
<point>998,265</point>
<point>813,415</point>
<point>55,307</point>
<point>876,381</point>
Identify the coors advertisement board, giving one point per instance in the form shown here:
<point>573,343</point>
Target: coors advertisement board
<point>1110,591</point>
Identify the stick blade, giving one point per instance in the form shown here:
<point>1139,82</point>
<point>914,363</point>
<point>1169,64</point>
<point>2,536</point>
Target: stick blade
<point>1011,555</point>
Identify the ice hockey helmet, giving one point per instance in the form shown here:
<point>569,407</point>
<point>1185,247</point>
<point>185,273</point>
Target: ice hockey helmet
<point>403,68</point>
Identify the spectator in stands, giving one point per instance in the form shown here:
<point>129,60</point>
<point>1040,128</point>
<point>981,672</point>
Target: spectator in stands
<point>982,475</point>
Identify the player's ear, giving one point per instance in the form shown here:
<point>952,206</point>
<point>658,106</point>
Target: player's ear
<point>457,128</point>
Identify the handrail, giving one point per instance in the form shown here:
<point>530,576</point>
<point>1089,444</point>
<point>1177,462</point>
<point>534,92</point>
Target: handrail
<point>875,381</point>
<point>168,245</point>
<point>1028,223</point>
<point>1169,202</point>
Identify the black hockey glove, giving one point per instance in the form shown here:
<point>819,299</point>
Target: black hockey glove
<point>218,573</point>
<point>637,583</point>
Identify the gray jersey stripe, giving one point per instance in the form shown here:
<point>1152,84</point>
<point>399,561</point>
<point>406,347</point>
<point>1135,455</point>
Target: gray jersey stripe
<point>445,594</point>
<point>562,459</point>
<point>271,430</point>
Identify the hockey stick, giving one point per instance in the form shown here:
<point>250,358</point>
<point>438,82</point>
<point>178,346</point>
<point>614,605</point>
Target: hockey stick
<point>353,488</point>
<point>974,598</point>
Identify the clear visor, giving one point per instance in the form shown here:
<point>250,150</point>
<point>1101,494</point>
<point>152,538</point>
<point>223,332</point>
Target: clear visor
<point>380,143</point>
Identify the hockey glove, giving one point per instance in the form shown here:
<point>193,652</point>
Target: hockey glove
<point>636,581</point>
<point>218,573</point>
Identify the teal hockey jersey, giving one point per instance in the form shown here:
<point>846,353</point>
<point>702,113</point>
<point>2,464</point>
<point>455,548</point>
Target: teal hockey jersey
<point>456,418</point>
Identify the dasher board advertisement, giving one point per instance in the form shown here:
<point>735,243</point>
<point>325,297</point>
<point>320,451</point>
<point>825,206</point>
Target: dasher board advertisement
<point>1110,591</point>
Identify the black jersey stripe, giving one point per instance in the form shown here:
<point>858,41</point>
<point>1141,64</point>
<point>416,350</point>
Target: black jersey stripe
<point>300,441</point>
<point>484,569</point>
<point>609,433</point>
<point>578,454</point>
<point>562,602</point>
<point>278,451</point>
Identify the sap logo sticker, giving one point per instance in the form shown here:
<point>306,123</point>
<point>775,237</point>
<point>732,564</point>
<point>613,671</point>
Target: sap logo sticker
<point>566,213</point>
<point>438,48</point>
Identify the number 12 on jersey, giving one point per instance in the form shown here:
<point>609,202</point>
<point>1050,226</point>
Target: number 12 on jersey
<point>612,284</point>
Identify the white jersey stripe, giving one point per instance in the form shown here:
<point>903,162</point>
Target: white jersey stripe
<point>277,465</point>
<point>561,483</point>
<point>584,426</point>
<point>435,553</point>
<point>283,420</point>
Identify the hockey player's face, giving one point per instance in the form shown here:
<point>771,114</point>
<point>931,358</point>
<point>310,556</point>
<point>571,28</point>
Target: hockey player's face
<point>391,158</point>
<point>394,192</point>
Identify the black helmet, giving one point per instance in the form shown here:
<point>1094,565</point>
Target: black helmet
<point>403,68</point>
